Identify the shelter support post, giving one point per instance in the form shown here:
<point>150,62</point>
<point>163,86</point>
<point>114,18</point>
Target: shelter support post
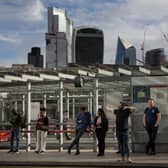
<point>61,115</point>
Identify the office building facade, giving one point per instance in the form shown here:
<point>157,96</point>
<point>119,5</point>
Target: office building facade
<point>88,45</point>
<point>58,39</point>
<point>126,53</point>
<point>35,58</point>
<point>155,57</point>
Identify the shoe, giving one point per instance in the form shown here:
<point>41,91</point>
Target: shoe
<point>100,154</point>
<point>68,138</point>
<point>11,150</point>
<point>69,151</point>
<point>16,151</point>
<point>41,152</point>
<point>77,153</point>
<point>36,152</point>
<point>128,160</point>
<point>152,153</point>
<point>118,152</point>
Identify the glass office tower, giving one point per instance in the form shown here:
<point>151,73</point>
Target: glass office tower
<point>126,53</point>
<point>58,39</point>
<point>155,57</point>
<point>88,45</point>
<point>35,58</point>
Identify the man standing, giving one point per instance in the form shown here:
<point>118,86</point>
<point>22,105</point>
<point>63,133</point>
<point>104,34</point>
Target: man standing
<point>151,120</point>
<point>16,122</point>
<point>83,123</point>
<point>122,115</point>
<point>41,131</point>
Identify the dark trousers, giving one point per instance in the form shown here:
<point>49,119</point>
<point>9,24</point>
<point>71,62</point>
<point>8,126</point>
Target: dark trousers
<point>152,132</point>
<point>123,141</point>
<point>100,134</point>
<point>14,134</point>
<point>117,135</point>
<point>79,133</point>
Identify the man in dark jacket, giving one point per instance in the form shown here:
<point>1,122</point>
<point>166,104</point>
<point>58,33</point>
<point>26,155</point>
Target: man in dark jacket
<point>122,115</point>
<point>16,121</point>
<point>83,123</point>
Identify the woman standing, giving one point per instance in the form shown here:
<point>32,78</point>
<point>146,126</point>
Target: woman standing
<point>101,127</point>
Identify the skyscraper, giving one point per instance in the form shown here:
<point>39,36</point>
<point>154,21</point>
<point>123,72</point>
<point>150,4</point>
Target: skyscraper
<point>58,39</point>
<point>35,58</point>
<point>126,53</point>
<point>88,45</point>
<point>155,57</point>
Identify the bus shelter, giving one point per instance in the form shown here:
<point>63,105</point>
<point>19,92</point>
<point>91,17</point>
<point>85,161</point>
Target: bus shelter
<point>27,88</point>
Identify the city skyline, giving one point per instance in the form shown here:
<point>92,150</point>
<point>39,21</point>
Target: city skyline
<point>24,24</point>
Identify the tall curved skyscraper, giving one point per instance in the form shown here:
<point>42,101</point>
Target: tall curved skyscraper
<point>126,53</point>
<point>88,45</point>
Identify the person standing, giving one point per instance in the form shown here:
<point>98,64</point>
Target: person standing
<point>16,123</point>
<point>101,127</point>
<point>122,115</point>
<point>41,131</point>
<point>83,123</point>
<point>115,111</point>
<point>151,120</point>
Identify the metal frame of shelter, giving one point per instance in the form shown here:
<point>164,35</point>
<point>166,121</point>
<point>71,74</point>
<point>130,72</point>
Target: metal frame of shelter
<point>25,80</point>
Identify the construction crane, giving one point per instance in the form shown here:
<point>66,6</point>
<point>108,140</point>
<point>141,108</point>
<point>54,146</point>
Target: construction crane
<point>164,35</point>
<point>143,48</point>
<point>142,61</point>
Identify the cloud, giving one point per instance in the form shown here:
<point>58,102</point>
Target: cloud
<point>21,11</point>
<point>8,39</point>
<point>26,22</point>
<point>34,11</point>
<point>129,19</point>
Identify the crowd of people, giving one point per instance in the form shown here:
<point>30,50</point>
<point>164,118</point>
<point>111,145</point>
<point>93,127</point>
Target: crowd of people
<point>98,127</point>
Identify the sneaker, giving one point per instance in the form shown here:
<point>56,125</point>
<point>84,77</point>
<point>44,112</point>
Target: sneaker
<point>41,152</point>
<point>100,154</point>
<point>128,160</point>
<point>16,151</point>
<point>69,151</point>
<point>152,153</point>
<point>77,153</point>
<point>11,150</point>
<point>36,152</point>
<point>68,138</point>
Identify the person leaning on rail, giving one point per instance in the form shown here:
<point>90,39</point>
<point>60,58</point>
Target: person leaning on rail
<point>83,123</point>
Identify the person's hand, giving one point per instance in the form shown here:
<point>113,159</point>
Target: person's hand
<point>155,125</point>
<point>88,129</point>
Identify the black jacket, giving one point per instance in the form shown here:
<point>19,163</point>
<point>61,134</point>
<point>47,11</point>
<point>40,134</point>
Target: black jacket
<point>104,123</point>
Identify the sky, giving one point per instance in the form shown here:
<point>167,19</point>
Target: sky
<point>23,24</point>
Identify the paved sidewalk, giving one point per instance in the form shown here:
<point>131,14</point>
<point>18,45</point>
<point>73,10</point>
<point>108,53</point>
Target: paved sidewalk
<point>85,159</point>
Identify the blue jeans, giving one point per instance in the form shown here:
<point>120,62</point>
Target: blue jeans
<point>14,134</point>
<point>123,141</point>
<point>79,133</point>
